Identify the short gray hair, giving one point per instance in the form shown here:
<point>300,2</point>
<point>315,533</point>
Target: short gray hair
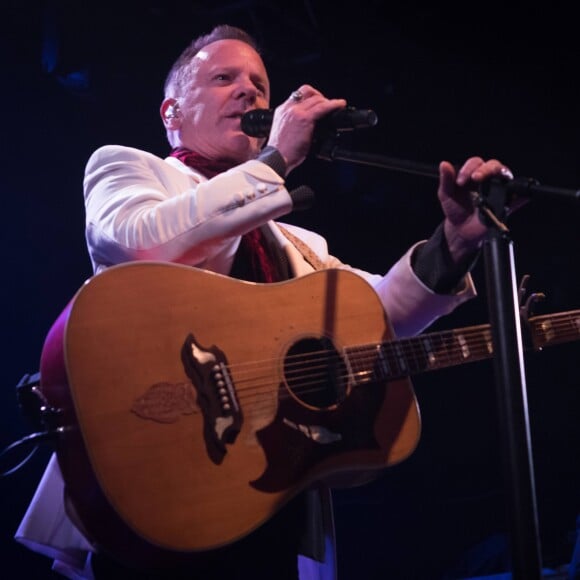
<point>178,77</point>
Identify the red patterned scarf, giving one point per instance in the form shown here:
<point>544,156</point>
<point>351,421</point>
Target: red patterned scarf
<point>253,244</point>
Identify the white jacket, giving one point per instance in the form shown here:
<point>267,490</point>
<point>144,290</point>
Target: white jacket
<point>142,207</point>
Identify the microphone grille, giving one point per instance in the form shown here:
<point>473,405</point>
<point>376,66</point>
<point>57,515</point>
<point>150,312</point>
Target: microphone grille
<point>257,123</point>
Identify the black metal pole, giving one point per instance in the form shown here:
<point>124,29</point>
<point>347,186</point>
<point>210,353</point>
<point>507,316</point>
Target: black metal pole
<point>515,437</point>
<point>521,187</point>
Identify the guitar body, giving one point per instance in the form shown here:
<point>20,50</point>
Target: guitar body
<point>185,424</point>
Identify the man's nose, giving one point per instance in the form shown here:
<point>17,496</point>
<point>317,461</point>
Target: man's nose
<point>247,90</point>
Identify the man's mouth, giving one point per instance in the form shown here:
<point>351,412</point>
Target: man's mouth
<point>236,115</point>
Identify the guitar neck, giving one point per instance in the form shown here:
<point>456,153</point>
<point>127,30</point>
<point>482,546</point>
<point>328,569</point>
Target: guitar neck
<point>438,350</point>
<point>550,329</point>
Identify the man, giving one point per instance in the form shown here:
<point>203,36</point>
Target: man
<point>212,204</point>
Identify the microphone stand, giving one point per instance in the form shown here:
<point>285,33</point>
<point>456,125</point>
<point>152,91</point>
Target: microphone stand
<point>492,201</point>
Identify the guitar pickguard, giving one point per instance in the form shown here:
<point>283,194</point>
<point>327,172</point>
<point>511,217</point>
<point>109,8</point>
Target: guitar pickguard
<point>300,438</point>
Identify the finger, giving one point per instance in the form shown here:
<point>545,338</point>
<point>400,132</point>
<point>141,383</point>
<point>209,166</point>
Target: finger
<point>303,93</point>
<point>490,168</point>
<point>465,173</point>
<point>446,180</point>
<point>506,172</point>
<point>316,106</point>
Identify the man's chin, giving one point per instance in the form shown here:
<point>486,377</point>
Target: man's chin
<point>242,148</point>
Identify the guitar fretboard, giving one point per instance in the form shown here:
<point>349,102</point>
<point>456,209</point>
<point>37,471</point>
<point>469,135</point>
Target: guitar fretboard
<point>550,329</point>
<point>410,356</point>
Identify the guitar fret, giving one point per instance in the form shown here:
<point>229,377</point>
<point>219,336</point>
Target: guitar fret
<point>431,356</point>
<point>488,341</point>
<point>376,365</point>
<point>348,364</point>
<point>463,346</point>
<point>548,330</point>
<point>418,359</point>
<point>358,369</point>
<point>442,351</point>
<point>394,359</point>
<point>401,358</point>
<point>382,361</point>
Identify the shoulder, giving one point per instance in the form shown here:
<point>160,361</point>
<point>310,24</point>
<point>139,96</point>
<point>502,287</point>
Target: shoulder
<point>120,158</point>
<point>107,153</point>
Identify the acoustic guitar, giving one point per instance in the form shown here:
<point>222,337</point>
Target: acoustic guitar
<point>192,406</point>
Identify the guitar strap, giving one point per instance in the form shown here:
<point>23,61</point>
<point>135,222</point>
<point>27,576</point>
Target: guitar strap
<point>306,251</point>
<point>246,267</point>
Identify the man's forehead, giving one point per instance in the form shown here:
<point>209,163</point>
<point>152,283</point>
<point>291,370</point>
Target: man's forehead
<point>229,46</point>
<point>229,54</point>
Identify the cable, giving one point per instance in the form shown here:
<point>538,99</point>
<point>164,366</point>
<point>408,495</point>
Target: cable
<point>32,438</point>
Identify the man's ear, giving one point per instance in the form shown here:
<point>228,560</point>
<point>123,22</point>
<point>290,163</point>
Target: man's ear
<point>171,113</point>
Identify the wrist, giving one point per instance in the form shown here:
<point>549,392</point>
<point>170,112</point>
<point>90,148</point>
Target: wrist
<point>460,248</point>
<point>274,159</point>
<point>436,268</point>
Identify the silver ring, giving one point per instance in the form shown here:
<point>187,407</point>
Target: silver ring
<point>297,95</point>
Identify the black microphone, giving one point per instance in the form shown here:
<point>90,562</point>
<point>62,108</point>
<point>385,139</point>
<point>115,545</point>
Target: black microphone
<point>257,123</point>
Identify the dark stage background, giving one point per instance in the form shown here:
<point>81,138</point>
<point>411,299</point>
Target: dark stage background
<point>446,84</point>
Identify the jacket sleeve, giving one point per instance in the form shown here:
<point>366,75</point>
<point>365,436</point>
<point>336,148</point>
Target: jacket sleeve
<point>139,206</point>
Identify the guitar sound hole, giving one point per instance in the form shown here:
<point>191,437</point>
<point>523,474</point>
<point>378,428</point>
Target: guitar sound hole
<point>315,372</point>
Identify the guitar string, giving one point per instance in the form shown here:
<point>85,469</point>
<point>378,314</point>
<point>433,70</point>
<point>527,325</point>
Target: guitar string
<point>407,347</point>
<point>317,363</point>
<point>448,353</point>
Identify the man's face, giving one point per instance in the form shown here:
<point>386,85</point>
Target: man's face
<point>228,79</point>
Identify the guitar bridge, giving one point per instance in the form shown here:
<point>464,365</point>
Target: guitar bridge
<point>216,396</point>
